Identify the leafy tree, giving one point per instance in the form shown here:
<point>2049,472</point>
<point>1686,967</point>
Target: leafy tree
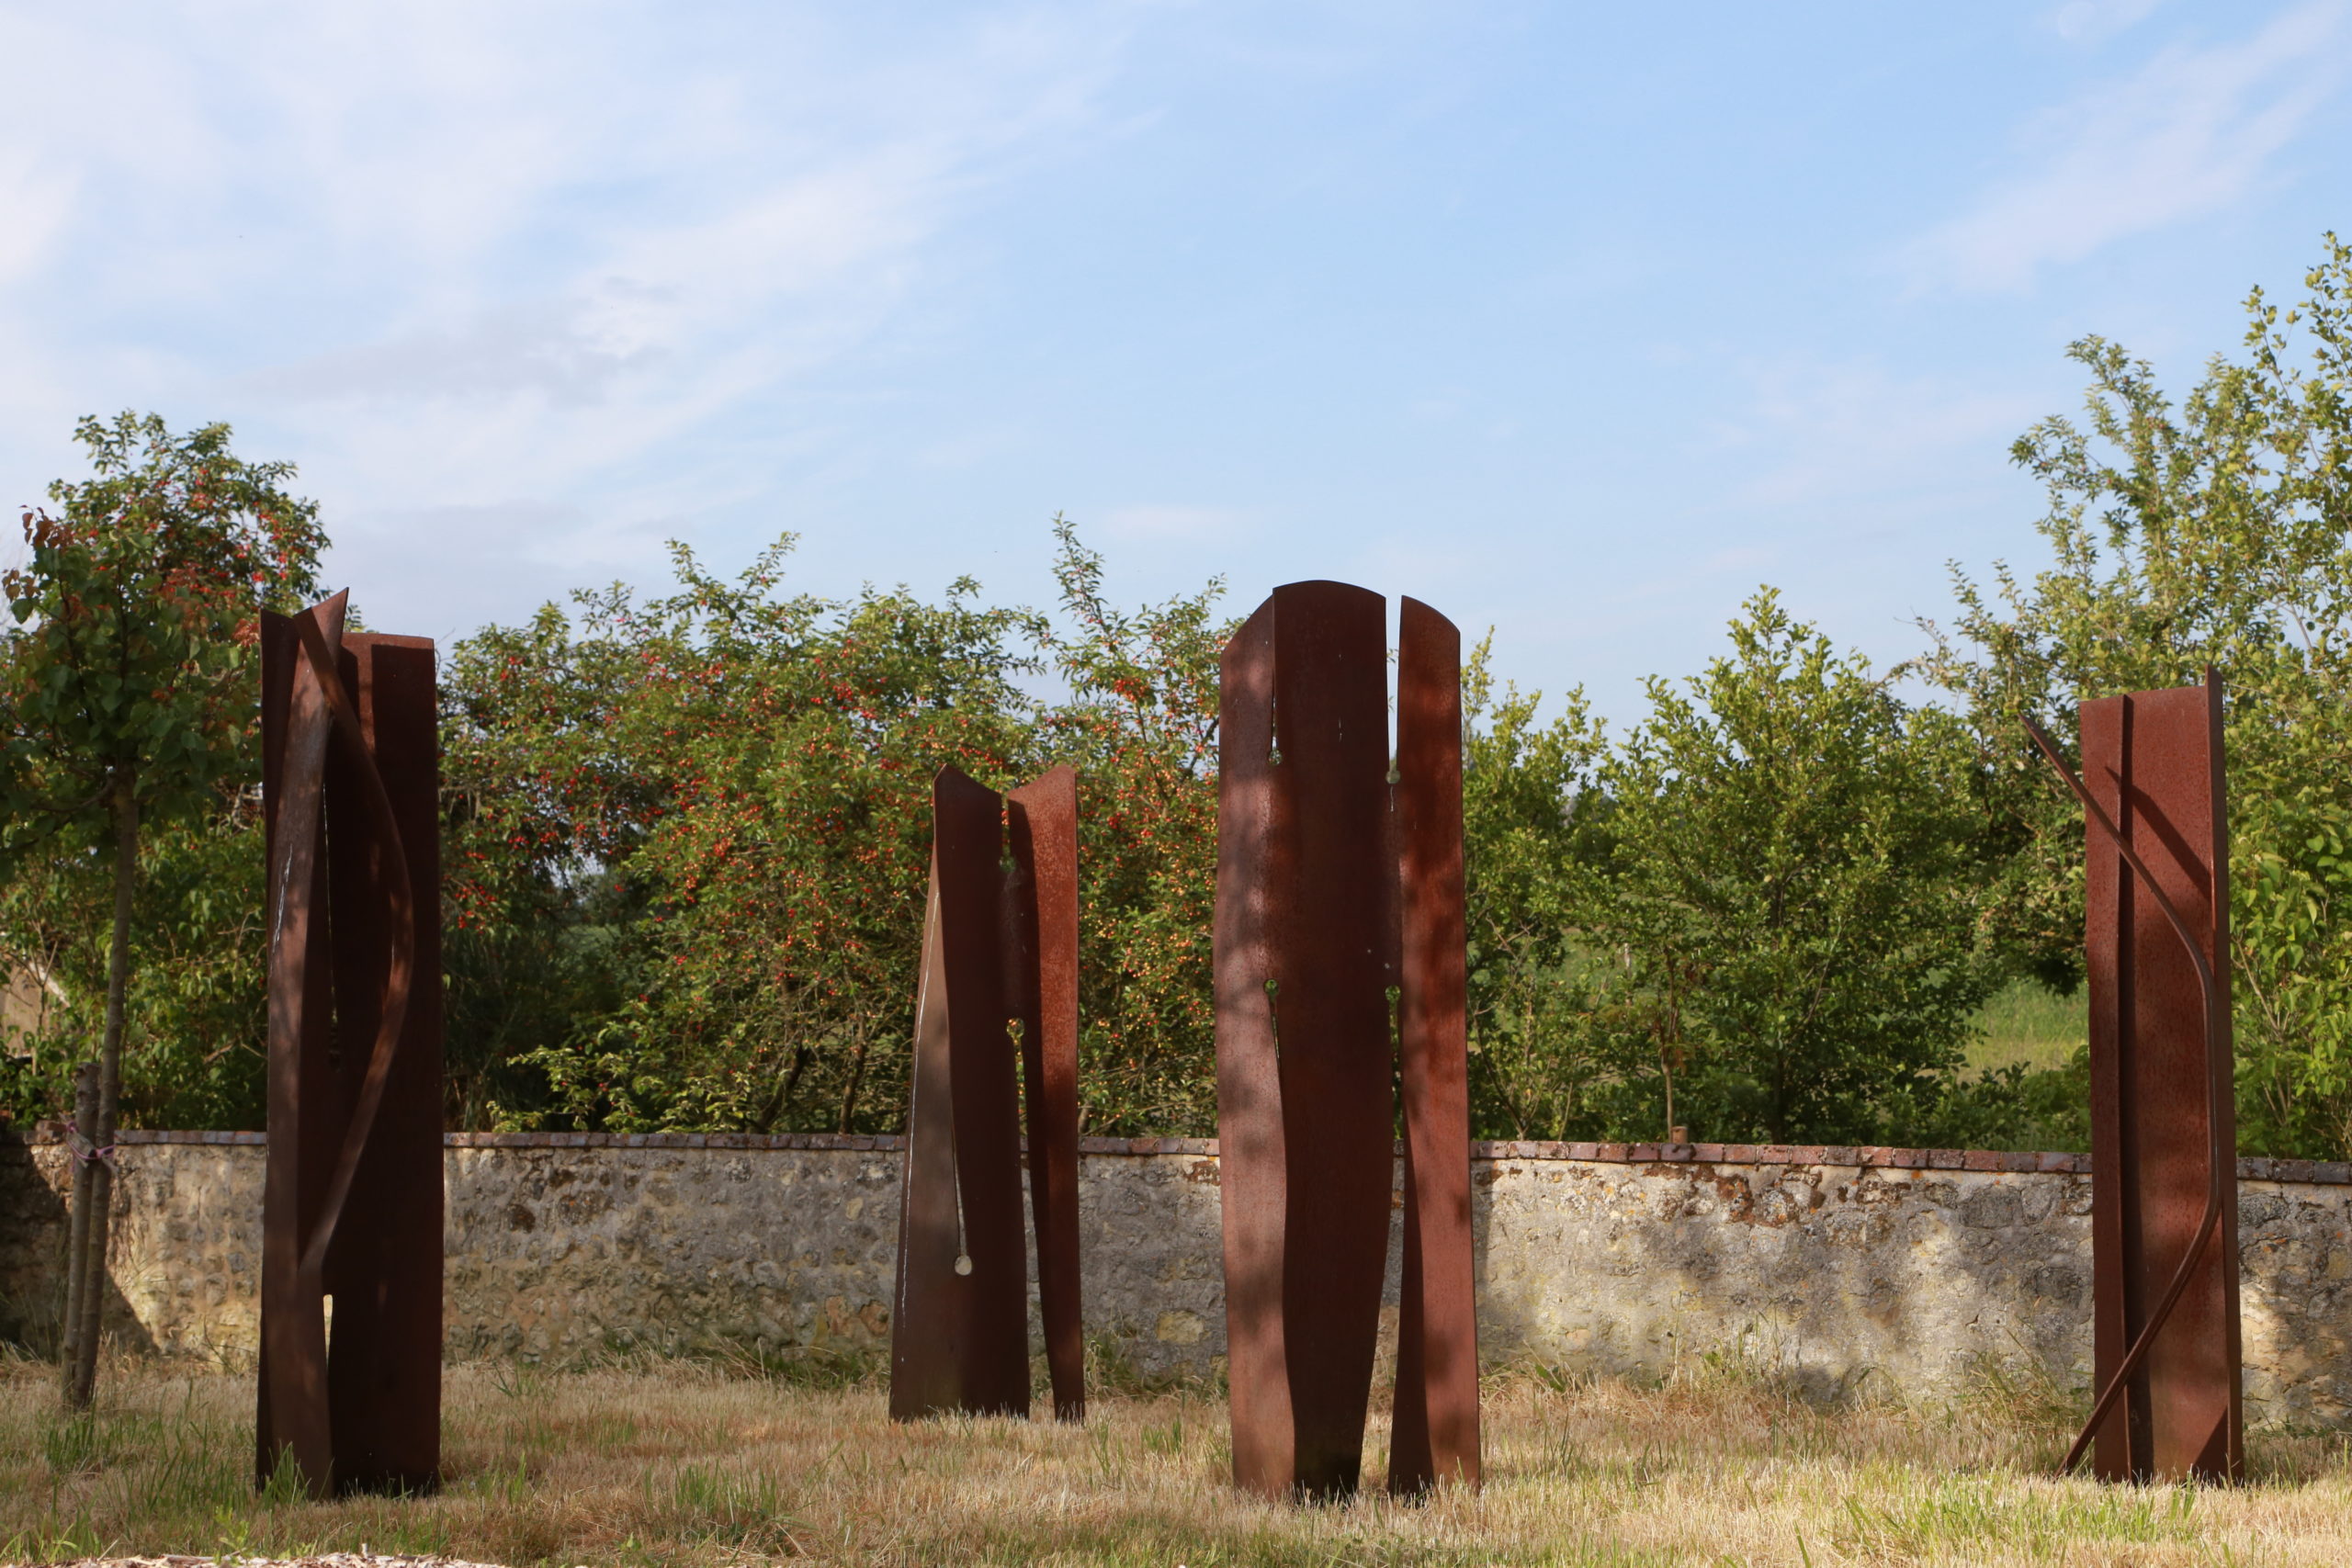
<point>1139,725</point>
<point>2211,532</point>
<point>739,780</point>
<point>1534,828</point>
<point>1790,897</point>
<point>694,832</point>
<point>194,1010</point>
<point>127,695</point>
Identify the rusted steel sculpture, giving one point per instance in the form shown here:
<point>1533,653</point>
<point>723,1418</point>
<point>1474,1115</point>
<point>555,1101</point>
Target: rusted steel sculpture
<point>1334,884</point>
<point>999,947</point>
<point>2163,1134</point>
<point>351,1206</point>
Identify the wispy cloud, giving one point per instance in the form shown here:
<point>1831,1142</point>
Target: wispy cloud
<point>477,265</point>
<point>2194,129</point>
<point>563,352</point>
<point>1826,433</point>
<point>2090,21</point>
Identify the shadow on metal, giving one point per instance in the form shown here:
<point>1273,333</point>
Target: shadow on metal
<point>1340,884</point>
<point>350,1375</point>
<point>1000,951</point>
<point>2164,1189</point>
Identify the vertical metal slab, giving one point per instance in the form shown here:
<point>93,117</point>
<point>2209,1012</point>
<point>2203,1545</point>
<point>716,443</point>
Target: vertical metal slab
<point>1042,819</point>
<point>350,778</point>
<point>1331,1012</point>
<point>1252,1156</point>
<point>978,1307</point>
<point>385,1269</point>
<point>1304,1048</point>
<point>2153,760</point>
<point>926,1338</point>
<point>1435,1436</point>
<point>984,1089</point>
<point>2103,726</point>
<point>305,1115</point>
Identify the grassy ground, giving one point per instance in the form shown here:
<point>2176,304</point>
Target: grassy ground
<point>2030,1023</point>
<point>695,1464</point>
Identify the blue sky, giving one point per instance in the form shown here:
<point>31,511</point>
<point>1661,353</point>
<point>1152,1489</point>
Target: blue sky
<point>1576,321</point>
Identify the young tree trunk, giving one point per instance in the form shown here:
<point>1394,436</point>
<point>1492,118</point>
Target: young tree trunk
<point>94,1269</point>
<point>856,1081</point>
<point>77,1244</point>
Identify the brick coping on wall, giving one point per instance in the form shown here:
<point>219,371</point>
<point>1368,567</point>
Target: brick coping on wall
<point>2333,1173</point>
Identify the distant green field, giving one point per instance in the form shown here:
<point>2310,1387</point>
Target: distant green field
<point>2030,1023</point>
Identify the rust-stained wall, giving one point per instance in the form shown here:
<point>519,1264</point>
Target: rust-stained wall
<point>1840,1265</point>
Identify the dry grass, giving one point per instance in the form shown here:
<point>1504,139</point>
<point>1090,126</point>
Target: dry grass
<point>689,1463</point>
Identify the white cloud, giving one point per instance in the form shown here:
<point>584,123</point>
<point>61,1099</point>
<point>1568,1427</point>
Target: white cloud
<point>397,569</point>
<point>35,198</point>
<point>479,267</point>
<point>562,352</point>
<point>2189,133</point>
<point>1828,433</point>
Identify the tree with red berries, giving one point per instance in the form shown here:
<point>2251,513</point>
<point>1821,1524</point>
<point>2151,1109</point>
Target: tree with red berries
<point>128,693</point>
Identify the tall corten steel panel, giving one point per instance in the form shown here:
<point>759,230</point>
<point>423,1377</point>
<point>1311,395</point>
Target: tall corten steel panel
<point>352,1191</point>
<point>1435,1434</point>
<point>1333,886</point>
<point>1000,948</point>
<point>2163,1127</point>
<point>1041,923</point>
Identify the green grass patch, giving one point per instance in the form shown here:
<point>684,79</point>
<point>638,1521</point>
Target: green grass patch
<point>2030,1024</point>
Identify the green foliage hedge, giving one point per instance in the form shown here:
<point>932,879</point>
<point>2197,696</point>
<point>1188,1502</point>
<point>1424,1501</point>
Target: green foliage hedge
<point>686,833</point>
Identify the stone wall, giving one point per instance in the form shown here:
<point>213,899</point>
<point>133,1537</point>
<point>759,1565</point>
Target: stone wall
<point>1839,1266</point>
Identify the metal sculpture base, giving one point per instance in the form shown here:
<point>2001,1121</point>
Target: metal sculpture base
<point>352,1193</point>
<point>1000,948</point>
<point>1335,884</point>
